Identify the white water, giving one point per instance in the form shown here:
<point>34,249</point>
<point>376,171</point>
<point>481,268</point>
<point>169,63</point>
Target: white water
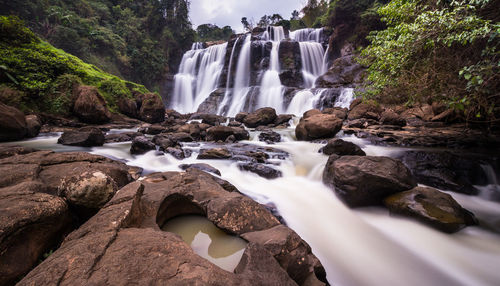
<point>307,35</point>
<point>312,55</point>
<point>345,98</point>
<point>198,76</point>
<point>271,91</point>
<point>308,99</point>
<point>363,246</point>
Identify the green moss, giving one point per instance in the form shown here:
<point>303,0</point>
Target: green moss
<point>46,75</point>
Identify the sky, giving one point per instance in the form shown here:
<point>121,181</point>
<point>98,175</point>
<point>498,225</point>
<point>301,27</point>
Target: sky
<point>230,12</point>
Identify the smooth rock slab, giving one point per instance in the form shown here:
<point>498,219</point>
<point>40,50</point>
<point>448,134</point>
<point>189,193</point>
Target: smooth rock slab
<point>431,207</point>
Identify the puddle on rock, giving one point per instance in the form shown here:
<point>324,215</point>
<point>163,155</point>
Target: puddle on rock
<point>208,241</point>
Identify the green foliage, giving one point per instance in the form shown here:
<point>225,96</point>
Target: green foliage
<point>442,51</point>
<point>137,40</point>
<point>13,32</point>
<point>45,76</point>
<point>313,11</point>
<point>210,32</point>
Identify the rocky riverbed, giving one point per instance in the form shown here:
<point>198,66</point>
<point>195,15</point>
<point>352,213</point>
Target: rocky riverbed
<point>94,198</point>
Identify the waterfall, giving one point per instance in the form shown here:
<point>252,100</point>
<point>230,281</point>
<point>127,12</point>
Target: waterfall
<point>198,76</point>
<point>345,98</point>
<point>241,80</point>
<point>304,100</point>
<point>228,81</point>
<point>307,35</point>
<point>271,91</point>
<point>312,55</point>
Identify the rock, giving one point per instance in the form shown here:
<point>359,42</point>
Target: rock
<point>445,170</point>
<point>221,133</point>
<point>310,113</point>
<point>213,101</point>
<point>341,148</point>
<point>290,64</point>
<point>31,224</point>
<point>215,153</point>
<point>210,119</point>
<point>318,126</point>
<point>90,106</point>
<point>85,137</point>
<point>178,153</point>
<point>152,129</point>
<point>423,112</point>
<point>366,180</point>
<point>389,117</point>
<point>445,116</point>
<point>8,151</point>
<point>283,119</point>
<point>344,71</point>
<point>366,110</point>
<point>178,137</point>
<point>262,116</point>
<point>92,189</point>
<point>33,125</point>
<point>261,170</point>
<point>431,207</point>
<point>240,117</point>
<point>234,124</point>
<point>194,130</point>
<point>122,237</point>
<point>339,112</point>
<point>141,145</point>
<point>151,109</point>
<point>201,166</point>
<point>164,142</point>
<point>269,137</point>
<point>121,137</point>
<point>12,123</point>
<point>128,107</point>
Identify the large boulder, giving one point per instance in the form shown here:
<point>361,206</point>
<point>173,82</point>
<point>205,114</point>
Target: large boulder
<point>90,189</point>
<point>389,117</point>
<point>269,137</point>
<point>341,148</point>
<point>141,145</point>
<point>12,123</point>
<point>368,110</point>
<point>90,106</point>
<point>366,180</point>
<point>116,244</point>
<point>128,107</point>
<point>262,116</point>
<point>33,125</point>
<point>30,225</point>
<point>290,64</point>
<point>215,153</point>
<point>431,207</point>
<point>221,133</point>
<point>344,71</point>
<point>151,108</point>
<point>318,126</point>
<point>85,137</point>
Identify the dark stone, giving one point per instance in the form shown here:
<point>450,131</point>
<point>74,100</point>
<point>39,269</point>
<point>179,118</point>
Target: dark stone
<point>340,112</point>
<point>341,148</point>
<point>141,145</point>
<point>85,136</point>
<point>389,117</point>
<point>90,106</point>
<point>128,107</point>
<point>12,123</point>
<point>366,180</point>
<point>283,119</point>
<point>269,137</point>
<point>262,116</point>
<point>221,133</point>
<point>201,166</point>
<point>318,126</point>
<point>121,137</point>
<point>261,170</point>
<point>240,117</point>
<point>344,71</point>
<point>431,207</point>
<point>365,110</point>
<point>151,109</point>
<point>33,125</point>
<point>215,153</point>
<point>178,153</point>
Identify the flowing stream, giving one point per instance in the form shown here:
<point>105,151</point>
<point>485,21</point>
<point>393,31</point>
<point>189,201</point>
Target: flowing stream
<point>364,246</point>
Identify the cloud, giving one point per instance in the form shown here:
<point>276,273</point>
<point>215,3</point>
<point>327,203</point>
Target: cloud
<point>229,12</point>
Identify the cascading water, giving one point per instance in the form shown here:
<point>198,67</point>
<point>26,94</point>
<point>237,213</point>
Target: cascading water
<point>312,54</point>
<point>198,76</point>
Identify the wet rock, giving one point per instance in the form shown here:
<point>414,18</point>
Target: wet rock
<point>240,117</point>
<point>344,71</point>
<point>215,153</point>
<point>121,137</point>
<point>178,137</point>
<point>151,109</point>
<point>201,166</point>
<point>366,110</point>
<point>261,170</point>
<point>290,64</point>
<point>339,112</point>
<point>234,124</point>
<point>269,137</point>
<point>12,123</point>
<point>90,106</point>
<point>318,126</point>
<point>141,145</point>
<point>30,225</point>
<point>126,231</point>
<point>128,107</point>
<point>194,130</point>
<point>283,119</point>
<point>178,153</point>
<point>163,141</point>
<point>389,117</point>
<point>262,116</point>
<point>8,151</point>
<point>366,180</point>
<point>152,129</point>
<point>213,101</point>
<point>445,170</point>
<point>221,133</point>
<point>33,125</point>
<point>310,113</point>
<point>85,137</point>
<point>431,207</point>
<point>92,189</point>
<point>210,119</point>
<point>341,148</point>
